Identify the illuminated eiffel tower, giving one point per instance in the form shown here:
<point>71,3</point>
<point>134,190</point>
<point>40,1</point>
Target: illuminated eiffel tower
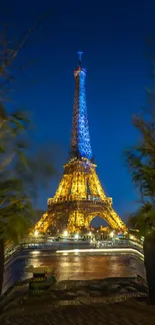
<point>80,196</point>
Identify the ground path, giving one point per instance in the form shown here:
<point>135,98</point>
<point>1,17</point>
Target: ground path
<point>131,312</point>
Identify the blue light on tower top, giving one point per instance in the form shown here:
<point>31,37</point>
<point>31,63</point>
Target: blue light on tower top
<point>80,139</point>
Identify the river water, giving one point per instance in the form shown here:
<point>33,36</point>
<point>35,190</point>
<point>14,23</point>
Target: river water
<point>73,266</point>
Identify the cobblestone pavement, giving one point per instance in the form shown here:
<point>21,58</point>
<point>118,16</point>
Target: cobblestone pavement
<point>128,313</point>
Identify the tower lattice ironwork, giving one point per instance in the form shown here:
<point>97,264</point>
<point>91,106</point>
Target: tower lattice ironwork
<point>79,196</point>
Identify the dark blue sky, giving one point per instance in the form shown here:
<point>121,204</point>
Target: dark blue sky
<point>112,36</point>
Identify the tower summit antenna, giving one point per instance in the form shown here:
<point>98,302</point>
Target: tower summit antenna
<point>80,54</point>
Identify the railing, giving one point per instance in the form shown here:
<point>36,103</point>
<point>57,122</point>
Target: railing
<point>121,244</point>
<point>40,244</point>
<point>95,199</point>
<point>10,253</point>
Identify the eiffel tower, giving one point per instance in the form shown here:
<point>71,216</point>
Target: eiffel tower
<point>79,196</point>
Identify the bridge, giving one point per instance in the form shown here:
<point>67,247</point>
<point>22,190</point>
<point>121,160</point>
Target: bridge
<point>124,246</point>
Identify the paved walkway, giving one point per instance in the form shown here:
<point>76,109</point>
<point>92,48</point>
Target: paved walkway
<point>131,312</point>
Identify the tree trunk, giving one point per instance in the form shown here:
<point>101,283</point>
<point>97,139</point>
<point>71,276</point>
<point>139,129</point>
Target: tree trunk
<point>149,261</point>
<point>1,263</point>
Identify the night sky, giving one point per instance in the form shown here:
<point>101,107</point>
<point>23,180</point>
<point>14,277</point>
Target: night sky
<point>112,35</point>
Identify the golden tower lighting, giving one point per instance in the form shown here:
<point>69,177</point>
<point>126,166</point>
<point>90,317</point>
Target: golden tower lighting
<point>79,196</point>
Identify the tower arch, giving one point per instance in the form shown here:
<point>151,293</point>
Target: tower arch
<point>103,215</point>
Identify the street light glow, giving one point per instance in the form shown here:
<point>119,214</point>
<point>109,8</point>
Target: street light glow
<point>111,234</point>
<point>65,233</point>
<point>76,236</point>
<point>105,250</point>
<point>36,233</point>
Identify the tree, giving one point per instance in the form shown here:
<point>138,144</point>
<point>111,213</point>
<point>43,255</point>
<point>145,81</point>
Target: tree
<point>20,173</point>
<point>141,162</point>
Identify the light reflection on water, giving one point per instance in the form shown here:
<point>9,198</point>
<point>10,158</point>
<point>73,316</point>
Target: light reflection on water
<point>76,266</point>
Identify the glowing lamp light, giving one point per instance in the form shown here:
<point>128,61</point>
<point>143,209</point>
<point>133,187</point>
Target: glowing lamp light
<point>76,236</point>
<point>111,234</point>
<point>89,233</point>
<point>132,237</point>
<point>65,233</point>
<point>36,233</point>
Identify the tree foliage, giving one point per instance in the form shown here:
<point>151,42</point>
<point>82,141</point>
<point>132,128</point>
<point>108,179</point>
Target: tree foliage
<point>23,170</point>
<point>140,160</point>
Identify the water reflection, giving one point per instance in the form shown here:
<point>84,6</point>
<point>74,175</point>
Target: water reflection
<point>79,266</point>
